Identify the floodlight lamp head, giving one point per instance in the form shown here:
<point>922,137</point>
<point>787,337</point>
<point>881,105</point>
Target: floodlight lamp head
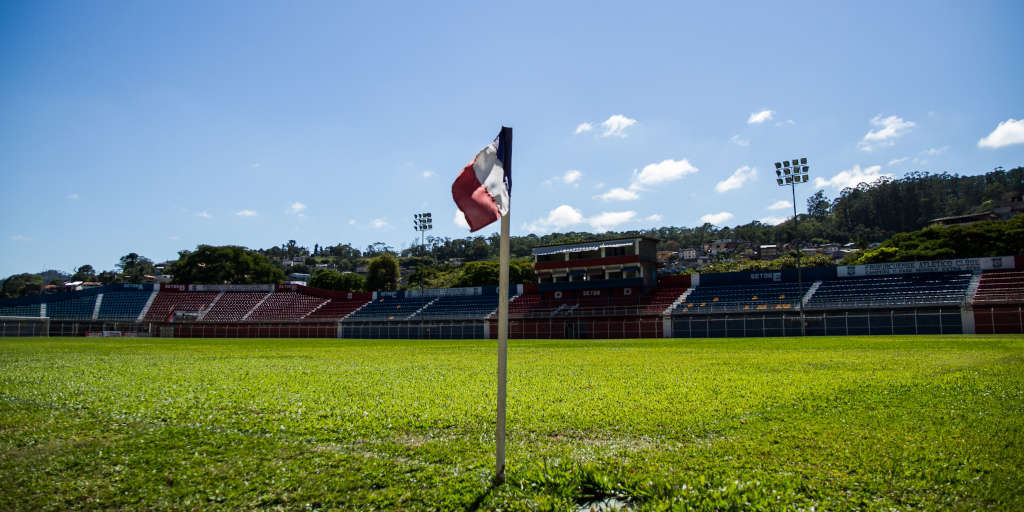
<point>805,169</point>
<point>785,163</point>
<point>778,172</point>
<point>786,170</point>
<point>779,180</point>
<point>796,161</point>
<point>778,165</point>
<point>805,178</point>
<point>803,161</point>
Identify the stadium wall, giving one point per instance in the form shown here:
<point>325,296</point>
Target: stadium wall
<point>999,319</point>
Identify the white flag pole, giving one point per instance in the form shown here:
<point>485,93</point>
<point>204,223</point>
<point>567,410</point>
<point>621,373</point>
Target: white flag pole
<point>503,257</point>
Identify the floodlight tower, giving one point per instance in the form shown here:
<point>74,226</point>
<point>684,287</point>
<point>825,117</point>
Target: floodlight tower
<point>791,173</point>
<point>422,222</point>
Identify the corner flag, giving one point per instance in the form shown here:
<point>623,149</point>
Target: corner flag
<point>483,191</point>
<point>484,187</point>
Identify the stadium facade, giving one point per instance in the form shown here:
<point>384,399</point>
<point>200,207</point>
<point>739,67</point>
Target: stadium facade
<point>598,289</point>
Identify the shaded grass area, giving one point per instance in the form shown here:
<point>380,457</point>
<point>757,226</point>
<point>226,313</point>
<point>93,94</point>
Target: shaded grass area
<point>869,423</point>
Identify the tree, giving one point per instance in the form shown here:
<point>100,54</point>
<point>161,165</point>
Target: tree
<point>382,273</point>
<point>978,240</point>
<point>818,205</point>
<point>377,248</point>
<point>20,285</point>
<point>333,280</point>
<point>297,269</point>
<point>135,268</point>
<point>229,264</point>
<point>109,277</point>
<point>84,273</point>
<point>485,273</point>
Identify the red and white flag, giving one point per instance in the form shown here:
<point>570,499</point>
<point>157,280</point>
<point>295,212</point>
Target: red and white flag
<point>484,187</point>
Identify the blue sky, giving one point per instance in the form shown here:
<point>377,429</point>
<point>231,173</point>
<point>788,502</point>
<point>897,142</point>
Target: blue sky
<point>156,126</point>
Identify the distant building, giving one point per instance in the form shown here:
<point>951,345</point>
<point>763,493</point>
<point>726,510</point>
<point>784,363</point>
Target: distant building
<point>727,245</point>
<point>1004,212</point>
<point>631,261</point>
<point>768,252</point>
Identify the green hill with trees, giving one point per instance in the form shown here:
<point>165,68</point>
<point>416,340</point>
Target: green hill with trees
<point>897,212</point>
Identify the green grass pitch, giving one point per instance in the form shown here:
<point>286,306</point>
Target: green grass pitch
<point>865,423</point>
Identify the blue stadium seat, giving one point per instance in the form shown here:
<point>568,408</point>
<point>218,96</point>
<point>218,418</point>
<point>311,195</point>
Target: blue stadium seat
<point>743,298</point>
<point>123,306</point>
<point>390,308</point>
<point>938,288</point>
<point>20,310</point>
<point>72,308</point>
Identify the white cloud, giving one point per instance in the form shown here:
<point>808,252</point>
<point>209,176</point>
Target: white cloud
<point>429,174</point>
<point>780,205</point>
<point>204,214</point>
<point>460,219</point>
<point>245,213</point>
<point>379,224</point>
<point>564,216</point>
<point>20,238</point>
<point>852,177</point>
<point>889,128</point>
<point>561,217</point>
<point>571,176</point>
<point>73,195</point>
<point>774,221</point>
<point>662,172</point>
<point>616,125</point>
<point>607,220</point>
<point>716,218</point>
<point>619,194</point>
<point>760,117</point>
<point>896,161</point>
<point>654,217</point>
<point>255,165</point>
<point>738,178</point>
<point>787,122</point>
<point>296,207</point>
<point>935,151</point>
<point>583,127</point>
<point>351,222</point>
<point>739,141</point>
<point>1008,132</point>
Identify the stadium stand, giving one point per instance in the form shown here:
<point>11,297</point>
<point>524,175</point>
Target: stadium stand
<point>72,308</point>
<point>169,300</point>
<point>983,295</point>
<point>461,307</point>
<point>458,307</point>
<point>938,288</point>
<point>998,303</point>
<point>233,306</point>
<point>390,308</point>
<point>20,310</point>
<point>336,308</point>
<point>1000,287</point>
<point>285,306</point>
<point>122,305</point>
<point>752,297</point>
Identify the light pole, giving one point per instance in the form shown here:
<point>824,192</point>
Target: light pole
<point>791,173</point>
<point>422,222</point>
